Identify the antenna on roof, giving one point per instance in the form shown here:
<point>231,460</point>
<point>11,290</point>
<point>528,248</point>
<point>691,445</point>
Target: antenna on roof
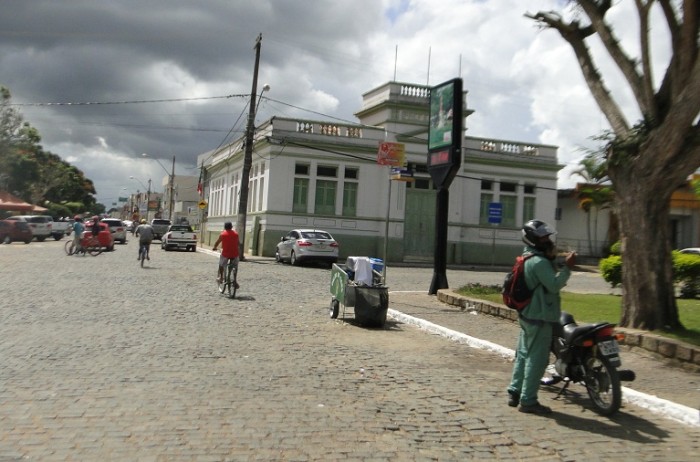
<point>427,80</point>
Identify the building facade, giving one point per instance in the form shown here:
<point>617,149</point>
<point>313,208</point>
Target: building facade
<point>324,174</point>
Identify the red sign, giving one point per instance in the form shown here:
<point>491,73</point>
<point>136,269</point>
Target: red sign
<point>391,154</point>
<point>439,158</point>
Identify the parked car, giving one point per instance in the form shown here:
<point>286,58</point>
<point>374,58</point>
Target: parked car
<point>302,245</point>
<point>104,236</point>
<point>160,227</point>
<point>179,237</point>
<point>116,226</point>
<point>14,230</point>
<point>129,226</point>
<point>61,227</point>
<point>41,225</point>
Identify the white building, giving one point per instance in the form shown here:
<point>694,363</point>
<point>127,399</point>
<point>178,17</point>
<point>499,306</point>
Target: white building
<point>324,174</point>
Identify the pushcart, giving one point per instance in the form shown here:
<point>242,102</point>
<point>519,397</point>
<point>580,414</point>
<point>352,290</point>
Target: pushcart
<point>370,302</point>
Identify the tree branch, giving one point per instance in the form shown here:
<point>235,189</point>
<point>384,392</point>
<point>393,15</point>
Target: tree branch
<point>575,36</point>
<point>596,13</point>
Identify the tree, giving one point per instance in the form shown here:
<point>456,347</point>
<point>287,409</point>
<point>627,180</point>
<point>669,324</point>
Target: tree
<point>35,175</point>
<point>648,160</point>
<point>593,195</point>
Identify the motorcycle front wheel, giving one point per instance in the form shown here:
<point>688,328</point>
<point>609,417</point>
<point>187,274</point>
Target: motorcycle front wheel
<point>603,385</point>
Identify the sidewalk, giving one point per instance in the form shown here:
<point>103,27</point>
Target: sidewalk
<point>662,388</point>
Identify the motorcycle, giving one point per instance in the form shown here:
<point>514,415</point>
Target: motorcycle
<point>589,354</point>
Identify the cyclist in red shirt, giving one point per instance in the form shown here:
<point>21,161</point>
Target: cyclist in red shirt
<point>229,251</point>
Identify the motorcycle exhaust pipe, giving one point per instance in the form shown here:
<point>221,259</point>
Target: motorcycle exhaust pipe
<point>626,375</point>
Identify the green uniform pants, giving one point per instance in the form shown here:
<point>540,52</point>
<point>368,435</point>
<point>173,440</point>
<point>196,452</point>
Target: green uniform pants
<point>531,359</point>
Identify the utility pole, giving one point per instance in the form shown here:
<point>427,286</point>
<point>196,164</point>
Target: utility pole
<point>172,196</point>
<point>248,155</point>
<point>148,201</point>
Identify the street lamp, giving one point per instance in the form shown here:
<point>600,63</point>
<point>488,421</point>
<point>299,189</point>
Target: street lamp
<point>148,188</point>
<point>171,185</point>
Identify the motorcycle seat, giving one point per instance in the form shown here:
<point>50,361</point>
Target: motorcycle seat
<point>574,331</point>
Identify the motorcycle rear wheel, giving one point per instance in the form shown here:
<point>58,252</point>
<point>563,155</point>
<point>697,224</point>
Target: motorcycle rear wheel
<point>603,385</point>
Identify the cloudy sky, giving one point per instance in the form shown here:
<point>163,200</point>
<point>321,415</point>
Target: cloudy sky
<point>166,66</point>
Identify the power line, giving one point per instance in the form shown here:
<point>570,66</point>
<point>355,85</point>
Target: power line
<point>140,101</point>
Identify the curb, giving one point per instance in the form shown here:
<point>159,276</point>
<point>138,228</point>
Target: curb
<point>676,352</point>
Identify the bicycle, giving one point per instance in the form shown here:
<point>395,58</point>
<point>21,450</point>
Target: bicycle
<point>88,244</point>
<point>228,285</point>
<point>143,252</point>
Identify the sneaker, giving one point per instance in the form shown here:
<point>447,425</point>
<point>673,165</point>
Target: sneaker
<point>536,408</point>
<point>513,399</point>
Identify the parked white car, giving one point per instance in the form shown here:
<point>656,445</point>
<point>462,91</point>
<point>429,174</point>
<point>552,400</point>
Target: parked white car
<point>41,225</point>
<point>302,245</point>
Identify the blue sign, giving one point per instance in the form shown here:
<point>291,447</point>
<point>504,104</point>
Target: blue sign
<point>495,212</point>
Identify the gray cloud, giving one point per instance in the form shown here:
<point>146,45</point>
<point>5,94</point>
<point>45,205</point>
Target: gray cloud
<point>319,55</point>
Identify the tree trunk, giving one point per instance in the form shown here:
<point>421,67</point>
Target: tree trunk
<point>647,271</point>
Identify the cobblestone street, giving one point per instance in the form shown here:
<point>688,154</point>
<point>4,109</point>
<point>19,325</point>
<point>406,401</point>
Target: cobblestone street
<point>103,360</point>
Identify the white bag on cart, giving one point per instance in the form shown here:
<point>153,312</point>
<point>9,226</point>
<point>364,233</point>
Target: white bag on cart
<point>362,267</point>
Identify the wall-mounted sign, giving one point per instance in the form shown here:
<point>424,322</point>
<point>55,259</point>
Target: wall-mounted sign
<point>391,154</point>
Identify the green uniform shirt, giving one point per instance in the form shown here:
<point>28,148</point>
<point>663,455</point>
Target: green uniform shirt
<point>541,274</point>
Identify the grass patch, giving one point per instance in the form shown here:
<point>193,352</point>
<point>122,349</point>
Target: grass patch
<point>599,307</point>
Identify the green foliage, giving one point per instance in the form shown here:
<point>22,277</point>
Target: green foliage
<point>611,269</point>
<point>686,272</point>
<point>616,248</point>
<point>30,172</point>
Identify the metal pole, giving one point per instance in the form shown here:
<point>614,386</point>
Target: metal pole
<point>148,201</point>
<point>172,196</point>
<point>248,156</point>
<point>386,229</point>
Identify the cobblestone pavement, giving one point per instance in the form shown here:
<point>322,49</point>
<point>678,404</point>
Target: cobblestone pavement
<point>103,360</point>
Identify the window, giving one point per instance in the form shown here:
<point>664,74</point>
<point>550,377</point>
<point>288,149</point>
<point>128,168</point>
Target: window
<point>350,192</point>
<point>485,200</point>
<point>300,200</point>
<point>529,202</point>
<point>323,170</point>
<point>301,195</point>
<point>509,199</point>
<point>325,197</point>
<point>509,204</point>
<point>349,199</point>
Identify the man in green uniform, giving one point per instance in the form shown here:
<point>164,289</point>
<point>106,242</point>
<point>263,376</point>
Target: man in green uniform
<point>537,318</point>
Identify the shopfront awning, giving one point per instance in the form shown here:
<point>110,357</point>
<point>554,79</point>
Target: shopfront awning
<point>14,203</point>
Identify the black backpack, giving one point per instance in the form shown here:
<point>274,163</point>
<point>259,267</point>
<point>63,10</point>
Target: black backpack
<point>515,292</point>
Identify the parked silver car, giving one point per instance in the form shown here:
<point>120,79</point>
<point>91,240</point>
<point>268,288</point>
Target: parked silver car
<point>117,228</point>
<point>303,245</point>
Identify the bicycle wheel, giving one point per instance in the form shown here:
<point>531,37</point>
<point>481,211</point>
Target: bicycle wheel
<point>222,286</point>
<point>231,285</point>
<point>69,248</point>
<point>94,250</point>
